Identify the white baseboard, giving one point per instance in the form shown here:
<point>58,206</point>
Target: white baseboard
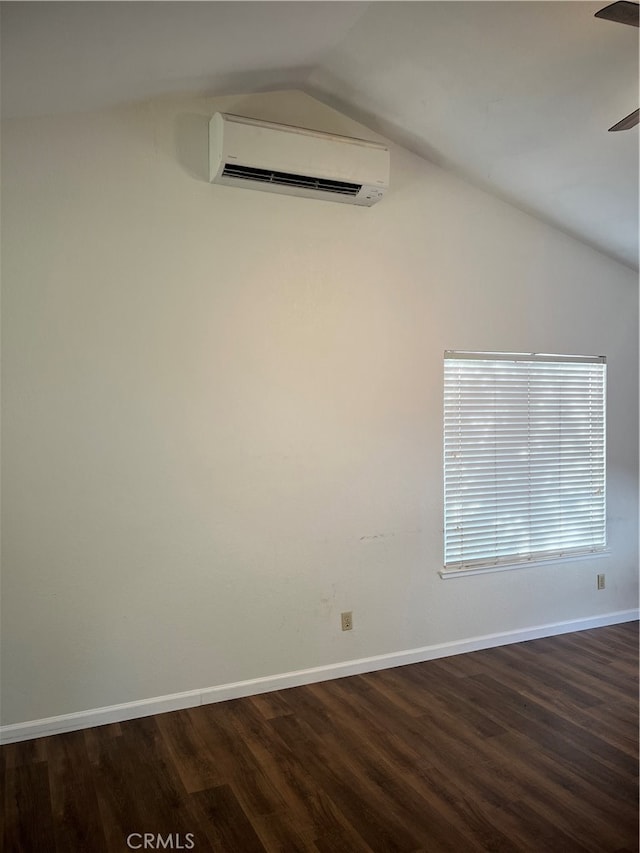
<point>192,698</point>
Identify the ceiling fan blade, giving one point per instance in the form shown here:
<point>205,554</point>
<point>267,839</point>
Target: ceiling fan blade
<point>621,12</point>
<point>626,123</point>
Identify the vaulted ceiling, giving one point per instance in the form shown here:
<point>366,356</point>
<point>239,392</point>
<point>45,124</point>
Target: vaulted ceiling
<point>514,96</point>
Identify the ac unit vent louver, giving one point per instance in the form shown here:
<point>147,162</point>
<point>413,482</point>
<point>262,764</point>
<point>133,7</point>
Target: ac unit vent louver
<point>287,179</point>
<point>259,155</point>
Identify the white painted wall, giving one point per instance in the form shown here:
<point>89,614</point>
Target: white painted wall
<point>222,409</point>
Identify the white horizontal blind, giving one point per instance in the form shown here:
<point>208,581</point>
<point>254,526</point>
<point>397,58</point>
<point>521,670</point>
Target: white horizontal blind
<point>524,457</point>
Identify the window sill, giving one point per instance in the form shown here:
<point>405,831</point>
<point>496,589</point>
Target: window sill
<point>448,574</point>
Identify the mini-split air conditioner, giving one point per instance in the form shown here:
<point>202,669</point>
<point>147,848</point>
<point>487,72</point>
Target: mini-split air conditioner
<point>260,155</point>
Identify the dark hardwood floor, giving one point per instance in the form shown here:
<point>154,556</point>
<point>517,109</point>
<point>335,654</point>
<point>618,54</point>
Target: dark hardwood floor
<point>528,747</point>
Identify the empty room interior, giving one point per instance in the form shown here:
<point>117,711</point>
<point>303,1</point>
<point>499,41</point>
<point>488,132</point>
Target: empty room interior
<point>319,426</point>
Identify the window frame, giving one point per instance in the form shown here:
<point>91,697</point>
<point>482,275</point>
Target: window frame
<point>469,565</point>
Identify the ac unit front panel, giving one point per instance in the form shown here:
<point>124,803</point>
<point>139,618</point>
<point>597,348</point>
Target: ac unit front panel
<point>239,148</point>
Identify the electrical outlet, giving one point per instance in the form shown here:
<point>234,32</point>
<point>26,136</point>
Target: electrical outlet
<point>347,620</point>
<point>600,581</point>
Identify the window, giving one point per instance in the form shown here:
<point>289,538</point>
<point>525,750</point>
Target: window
<point>524,458</point>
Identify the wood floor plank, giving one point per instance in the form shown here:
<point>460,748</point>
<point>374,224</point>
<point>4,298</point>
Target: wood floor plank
<point>94,737</point>
<point>418,771</point>
<point>423,810</point>
<point>561,797</point>
<point>314,812</point>
<point>366,809</point>
<point>303,801</point>
<point>619,725</point>
<point>27,752</point>
<point>539,680</point>
<point>513,711</point>
<point>28,820</point>
<point>76,815</point>
<point>430,679</point>
<point>164,806</point>
<point>571,788</point>
<point>279,834</point>
<point>535,833</point>
<point>270,705</point>
<point>560,724</point>
<point>227,826</point>
<point>190,753</point>
<point>255,791</point>
<point>118,790</point>
<point>575,660</point>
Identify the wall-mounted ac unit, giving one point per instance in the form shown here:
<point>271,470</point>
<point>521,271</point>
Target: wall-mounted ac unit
<point>259,155</point>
